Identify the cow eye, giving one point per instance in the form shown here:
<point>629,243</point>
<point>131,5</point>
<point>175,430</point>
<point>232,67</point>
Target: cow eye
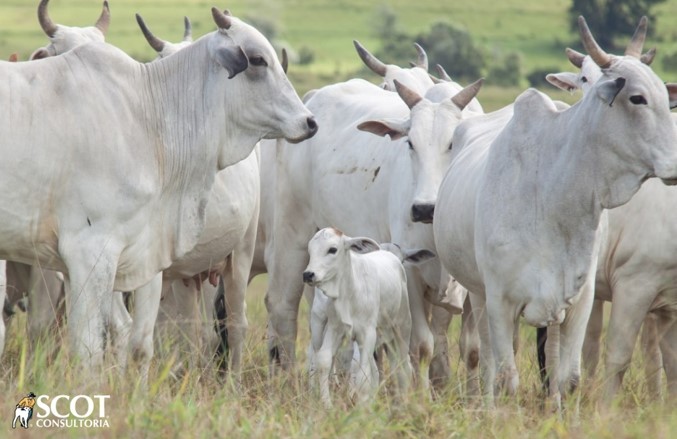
<point>332,251</point>
<point>584,79</point>
<point>638,100</point>
<point>257,61</point>
<point>411,145</point>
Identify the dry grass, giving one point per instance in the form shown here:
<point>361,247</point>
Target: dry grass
<point>199,403</point>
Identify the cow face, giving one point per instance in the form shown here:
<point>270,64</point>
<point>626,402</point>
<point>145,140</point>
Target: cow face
<point>267,102</point>
<point>428,135</point>
<point>329,261</point>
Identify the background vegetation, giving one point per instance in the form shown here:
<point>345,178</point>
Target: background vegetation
<point>524,36</point>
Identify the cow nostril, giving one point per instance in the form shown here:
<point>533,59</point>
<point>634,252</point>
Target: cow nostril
<point>422,213</point>
<point>308,276</point>
<point>312,125</point>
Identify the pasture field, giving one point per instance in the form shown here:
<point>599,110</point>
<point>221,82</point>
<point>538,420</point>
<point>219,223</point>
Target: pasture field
<point>199,403</point>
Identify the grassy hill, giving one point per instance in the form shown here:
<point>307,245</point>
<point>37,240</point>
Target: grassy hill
<point>536,29</point>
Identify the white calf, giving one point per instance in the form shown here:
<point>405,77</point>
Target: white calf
<point>368,288</point>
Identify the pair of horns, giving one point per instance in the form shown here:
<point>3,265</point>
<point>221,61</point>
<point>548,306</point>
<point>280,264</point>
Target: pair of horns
<point>461,99</point>
<point>602,58</point>
<point>378,67</point>
<point>50,28</point>
<point>155,42</point>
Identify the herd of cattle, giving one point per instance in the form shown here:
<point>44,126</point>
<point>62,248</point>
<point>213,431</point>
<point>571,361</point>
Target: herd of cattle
<point>203,168</point>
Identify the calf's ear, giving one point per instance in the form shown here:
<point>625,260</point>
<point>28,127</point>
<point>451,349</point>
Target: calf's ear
<point>362,245</point>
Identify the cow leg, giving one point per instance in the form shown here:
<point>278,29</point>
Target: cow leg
<point>282,302</point>
<point>367,347</point>
<point>487,362</point>
<point>92,264</point>
<point>44,291</point>
<point>208,337</point>
<point>440,370</point>
<point>593,334</point>
<point>324,359</point>
<point>3,296</point>
<point>119,325</point>
<point>146,307</point>
<point>469,347</point>
<point>502,318</point>
<point>667,333</point>
<point>398,357</point>
<point>628,311</point>
<point>421,343</point>
<point>653,360</point>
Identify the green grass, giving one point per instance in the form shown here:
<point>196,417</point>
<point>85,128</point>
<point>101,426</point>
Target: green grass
<point>537,29</point>
<point>199,404</point>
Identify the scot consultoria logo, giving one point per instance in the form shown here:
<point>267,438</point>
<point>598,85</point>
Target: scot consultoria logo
<point>62,411</point>
<point>24,410</point>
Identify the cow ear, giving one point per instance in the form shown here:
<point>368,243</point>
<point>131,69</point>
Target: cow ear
<point>39,54</point>
<point>608,90</point>
<point>565,80</point>
<point>232,59</point>
<point>396,129</point>
<point>672,94</point>
<point>362,245</point>
<point>418,256</point>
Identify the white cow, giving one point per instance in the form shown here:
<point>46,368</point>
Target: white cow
<point>21,413</point>
<point>169,126</point>
<point>633,254</point>
<point>226,247</point>
<point>45,287</point>
<point>364,185</point>
<point>367,303</point>
<point>520,218</point>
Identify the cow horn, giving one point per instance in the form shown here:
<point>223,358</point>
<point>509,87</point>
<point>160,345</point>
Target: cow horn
<point>222,20</point>
<point>598,55</point>
<point>575,57</point>
<point>285,60</point>
<point>463,97</point>
<point>188,30</point>
<point>648,57</point>
<point>104,19</point>
<point>156,43</point>
<point>13,57</point>
<point>637,42</point>
<point>409,96</point>
<point>422,60</point>
<point>442,73</point>
<point>45,22</point>
<point>370,60</point>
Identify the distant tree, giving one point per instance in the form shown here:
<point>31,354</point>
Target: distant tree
<point>454,49</point>
<point>506,70</point>
<point>609,19</point>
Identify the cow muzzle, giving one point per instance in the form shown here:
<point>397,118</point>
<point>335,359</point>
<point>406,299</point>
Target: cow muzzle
<point>309,278</point>
<point>311,130</point>
<point>422,213</point>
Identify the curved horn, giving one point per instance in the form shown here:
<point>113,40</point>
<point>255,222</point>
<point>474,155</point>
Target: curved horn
<point>637,42</point>
<point>442,73</point>
<point>285,60</point>
<point>156,43</point>
<point>188,30</point>
<point>45,22</point>
<point>409,96</point>
<point>222,20</point>
<point>648,57</point>
<point>463,97</point>
<point>575,57</point>
<point>104,19</point>
<point>370,60</point>
<point>422,60</point>
<point>600,57</point>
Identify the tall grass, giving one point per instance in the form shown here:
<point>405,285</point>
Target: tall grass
<point>198,402</point>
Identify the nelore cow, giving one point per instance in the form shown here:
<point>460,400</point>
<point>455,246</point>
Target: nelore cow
<point>521,212</point>
<point>636,269</point>
<point>120,174</point>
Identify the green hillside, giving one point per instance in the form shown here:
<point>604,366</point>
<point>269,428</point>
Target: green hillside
<point>537,30</point>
